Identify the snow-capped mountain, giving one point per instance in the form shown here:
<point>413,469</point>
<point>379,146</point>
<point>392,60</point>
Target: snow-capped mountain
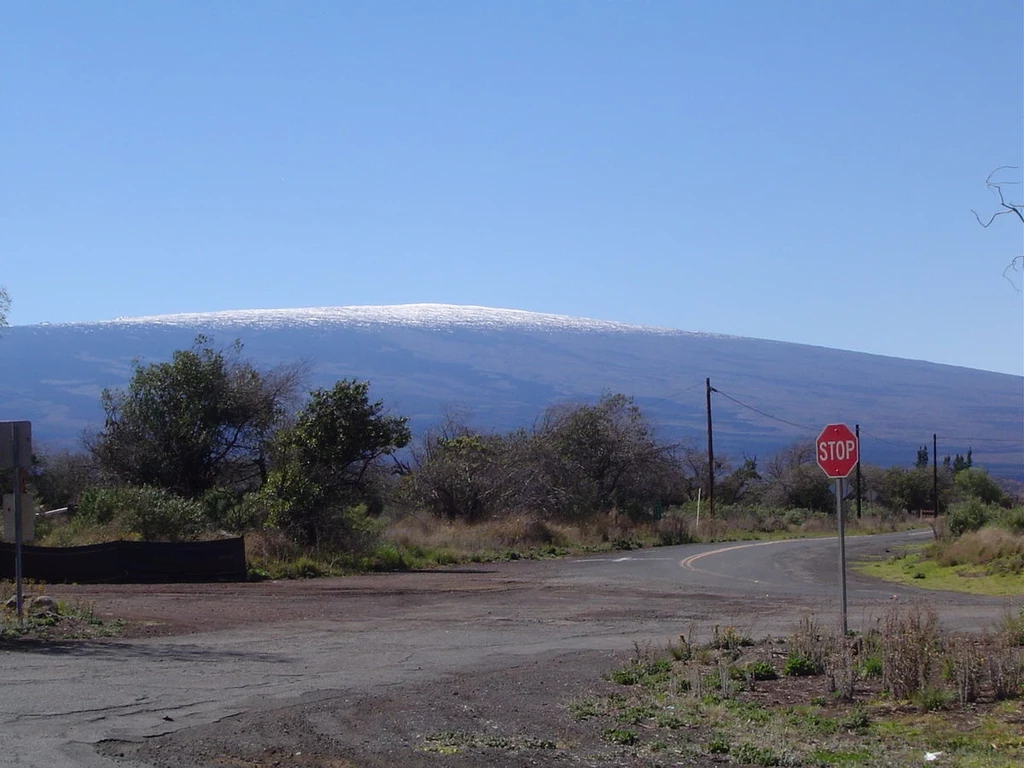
<point>501,368</point>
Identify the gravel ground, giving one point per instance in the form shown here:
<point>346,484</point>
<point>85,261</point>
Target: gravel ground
<point>456,667</point>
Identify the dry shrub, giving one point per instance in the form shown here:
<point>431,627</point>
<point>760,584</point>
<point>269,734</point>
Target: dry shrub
<point>878,522</point>
<point>982,547</point>
<point>1005,670</point>
<point>526,532</point>
<point>675,529</point>
<point>269,546</point>
<point>910,645</point>
<point>964,666</point>
<point>1010,628</point>
<point>818,524</point>
<point>811,643</point>
<point>840,667</point>
<point>616,530</point>
<point>515,532</point>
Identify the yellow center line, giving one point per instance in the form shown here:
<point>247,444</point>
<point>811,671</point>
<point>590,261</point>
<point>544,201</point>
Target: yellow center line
<point>688,562</point>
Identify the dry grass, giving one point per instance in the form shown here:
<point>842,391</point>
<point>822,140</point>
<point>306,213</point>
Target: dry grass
<point>753,522</point>
<point>982,547</point>
<point>910,645</point>
<point>518,535</point>
<point>421,537</point>
<point>269,546</point>
<point>879,699</point>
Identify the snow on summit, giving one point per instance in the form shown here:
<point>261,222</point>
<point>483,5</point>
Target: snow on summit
<point>438,316</point>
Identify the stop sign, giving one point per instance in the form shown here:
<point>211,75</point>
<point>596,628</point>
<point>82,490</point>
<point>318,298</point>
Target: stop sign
<point>837,450</point>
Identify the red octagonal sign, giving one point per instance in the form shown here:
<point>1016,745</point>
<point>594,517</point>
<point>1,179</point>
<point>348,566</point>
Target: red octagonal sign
<point>837,450</point>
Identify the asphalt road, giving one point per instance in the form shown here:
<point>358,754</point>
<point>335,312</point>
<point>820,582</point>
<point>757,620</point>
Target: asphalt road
<point>263,647</point>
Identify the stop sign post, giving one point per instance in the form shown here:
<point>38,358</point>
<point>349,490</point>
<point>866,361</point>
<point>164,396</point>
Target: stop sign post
<point>837,451</point>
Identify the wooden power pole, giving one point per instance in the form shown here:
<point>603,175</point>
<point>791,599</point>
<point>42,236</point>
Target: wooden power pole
<point>711,453</point>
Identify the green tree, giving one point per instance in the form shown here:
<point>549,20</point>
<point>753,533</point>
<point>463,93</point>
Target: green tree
<point>60,477</point>
<point>463,475</point>
<point>202,420</point>
<point>742,485</point>
<point>974,483</point>
<point>596,458</point>
<point>922,457</point>
<point>960,463</point>
<point>330,462</point>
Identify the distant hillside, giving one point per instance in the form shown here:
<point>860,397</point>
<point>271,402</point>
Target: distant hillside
<point>503,367</point>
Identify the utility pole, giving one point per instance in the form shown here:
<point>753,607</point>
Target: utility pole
<point>857,428</point>
<point>935,474</point>
<point>711,454</point>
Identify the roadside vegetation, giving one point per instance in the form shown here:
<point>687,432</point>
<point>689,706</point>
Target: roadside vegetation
<point>904,693</point>
<point>978,545</point>
<point>48,619</point>
<point>328,482</point>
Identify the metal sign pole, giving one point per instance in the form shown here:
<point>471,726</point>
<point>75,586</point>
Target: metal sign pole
<point>19,597</point>
<point>842,546</point>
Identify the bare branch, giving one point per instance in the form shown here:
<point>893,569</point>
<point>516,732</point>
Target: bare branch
<point>1017,265</point>
<point>1009,208</point>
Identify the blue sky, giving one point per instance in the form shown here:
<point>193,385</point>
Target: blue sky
<point>802,171</point>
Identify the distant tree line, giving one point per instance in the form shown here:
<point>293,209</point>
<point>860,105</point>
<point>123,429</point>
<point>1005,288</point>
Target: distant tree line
<point>208,442</point>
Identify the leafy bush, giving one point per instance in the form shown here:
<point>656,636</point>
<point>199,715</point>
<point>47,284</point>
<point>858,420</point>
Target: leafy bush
<point>643,672</point>
<point>967,516</point>
<point>754,755</point>
<point>854,721</point>
<point>1012,520</point>
<point>620,736</point>
<point>718,746</point>
<point>799,666</point>
<point>761,670</point>
<point>729,639</point>
<point>152,513</point>
<point>976,484</point>
<point>871,666</point>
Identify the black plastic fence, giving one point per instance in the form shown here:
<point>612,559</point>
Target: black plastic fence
<point>136,562</point>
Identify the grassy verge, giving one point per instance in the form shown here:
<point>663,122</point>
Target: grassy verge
<point>921,571</point>
<point>415,541</point>
<point>419,541</point>
<point>887,698</point>
<point>985,562</point>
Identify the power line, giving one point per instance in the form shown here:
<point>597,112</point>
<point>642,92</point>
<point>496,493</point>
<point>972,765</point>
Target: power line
<point>983,439</point>
<point>680,392</point>
<point>864,432</point>
<point>884,440</point>
<point>727,396</point>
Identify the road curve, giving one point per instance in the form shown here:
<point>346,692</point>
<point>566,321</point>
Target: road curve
<point>263,647</point>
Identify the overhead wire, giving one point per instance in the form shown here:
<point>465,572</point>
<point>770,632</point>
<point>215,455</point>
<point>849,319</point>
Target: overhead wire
<point>885,440</point>
<point>683,391</point>
<point>982,439</point>
<point>767,415</point>
<point>863,432</point>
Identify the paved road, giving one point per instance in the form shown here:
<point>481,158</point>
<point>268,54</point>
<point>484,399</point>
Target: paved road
<point>280,642</point>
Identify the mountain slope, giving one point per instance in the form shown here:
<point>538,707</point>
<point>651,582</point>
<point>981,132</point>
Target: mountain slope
<point>502,367</point>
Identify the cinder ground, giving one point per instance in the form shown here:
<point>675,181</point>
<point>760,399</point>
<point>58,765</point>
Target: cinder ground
<point>392,669</point>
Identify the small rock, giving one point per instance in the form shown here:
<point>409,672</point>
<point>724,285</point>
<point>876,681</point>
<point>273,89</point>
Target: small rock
<point>41,604</point>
